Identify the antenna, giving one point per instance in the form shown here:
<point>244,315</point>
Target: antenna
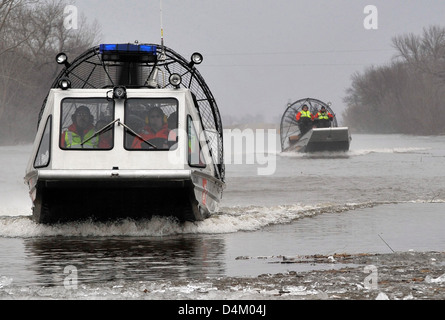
<point>162,33</point>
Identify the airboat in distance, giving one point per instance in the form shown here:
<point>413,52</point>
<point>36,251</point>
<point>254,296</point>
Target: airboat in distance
<point>311,133</point>
<point>97,154</point>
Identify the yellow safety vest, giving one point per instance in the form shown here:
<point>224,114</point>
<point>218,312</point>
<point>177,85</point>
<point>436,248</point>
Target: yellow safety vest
<point>73,140</point>
<point>305,114</point>
<point>323,116</point>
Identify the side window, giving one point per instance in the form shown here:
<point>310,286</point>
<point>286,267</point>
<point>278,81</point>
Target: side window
<point>84,124</point>
<point>43,153</point>
<point>151,124</point>
<point>195,157</point>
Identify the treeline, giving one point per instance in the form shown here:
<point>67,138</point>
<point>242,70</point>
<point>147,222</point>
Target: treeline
<point>407,95</point>
<point>31,34</point>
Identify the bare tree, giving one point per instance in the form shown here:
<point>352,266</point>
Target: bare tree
<point>408,95</point>
<point>426,53</point>
<point>32,33</point>
<point>8,39</point>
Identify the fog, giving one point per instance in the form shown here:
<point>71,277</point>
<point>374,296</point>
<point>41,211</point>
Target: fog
<point>261,54</point>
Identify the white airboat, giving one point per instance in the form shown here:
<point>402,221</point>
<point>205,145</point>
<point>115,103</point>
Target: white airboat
<point>312,136</point>
<point>102,174</point>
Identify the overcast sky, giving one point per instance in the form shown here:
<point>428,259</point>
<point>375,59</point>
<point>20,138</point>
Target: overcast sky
<point>261,54</point>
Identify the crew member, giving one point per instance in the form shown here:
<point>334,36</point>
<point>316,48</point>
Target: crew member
<point>305,119</point>
<point>80,130</point>
<point>156,130</point>
<point>323,118</point>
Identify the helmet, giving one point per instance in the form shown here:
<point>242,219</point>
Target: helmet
<point>156,110</point>
<point>82,109</point>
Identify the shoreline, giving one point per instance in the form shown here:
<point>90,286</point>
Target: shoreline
<point>396,276</point>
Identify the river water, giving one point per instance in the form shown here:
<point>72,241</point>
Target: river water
<point>386,194</point>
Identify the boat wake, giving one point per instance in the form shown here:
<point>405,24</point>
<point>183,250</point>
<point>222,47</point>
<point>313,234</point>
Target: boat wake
<point>227,220</point>
<point>413,150</point>
<point>352,153</point>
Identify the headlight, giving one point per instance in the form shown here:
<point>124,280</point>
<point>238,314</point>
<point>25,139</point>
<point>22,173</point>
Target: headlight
<point>197,58</point>
<point>119,92</point>
<point>175,80</point>
<point>62,58</point>
<point>64,83</point>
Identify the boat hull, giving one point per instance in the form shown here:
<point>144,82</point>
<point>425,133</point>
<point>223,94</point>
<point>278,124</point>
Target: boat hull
<point>99,195</point>
<point>322,140</point>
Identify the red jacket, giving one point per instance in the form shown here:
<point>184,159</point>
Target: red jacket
<point>150,134</point>
<point>104,143</point>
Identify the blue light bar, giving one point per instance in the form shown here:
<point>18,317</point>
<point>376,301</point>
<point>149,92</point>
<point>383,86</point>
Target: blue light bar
<point>127,48</point>
<point>107,47</point>
<point>147,48</point>
<point>127,52</point>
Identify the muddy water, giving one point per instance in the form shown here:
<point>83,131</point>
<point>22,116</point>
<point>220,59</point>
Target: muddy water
<point>385,195</point>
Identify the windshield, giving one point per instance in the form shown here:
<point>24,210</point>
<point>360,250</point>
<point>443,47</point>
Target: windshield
<point>151,123</point>
<point>84,124</point>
